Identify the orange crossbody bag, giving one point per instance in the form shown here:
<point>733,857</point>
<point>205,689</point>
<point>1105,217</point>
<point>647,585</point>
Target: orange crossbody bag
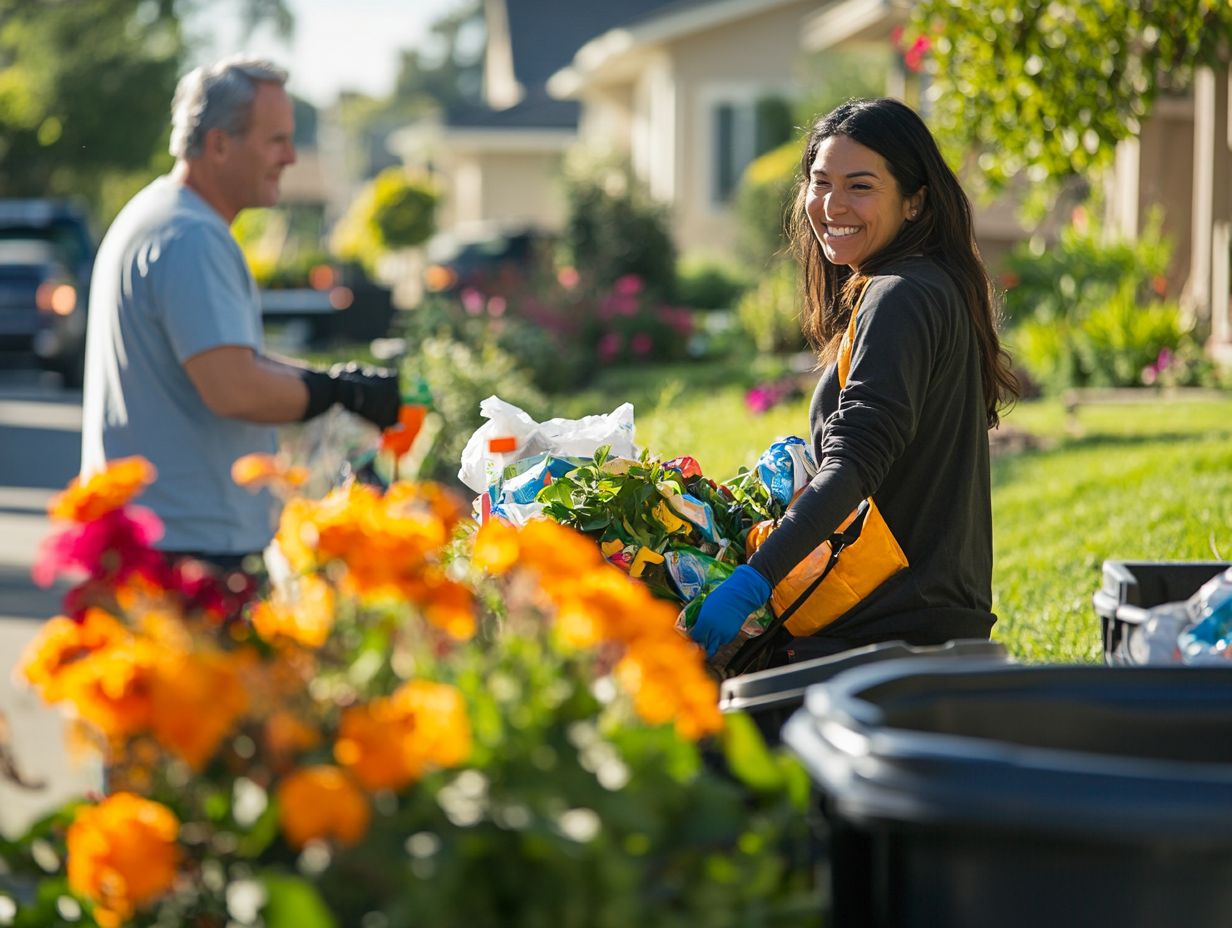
<point>860,556</point>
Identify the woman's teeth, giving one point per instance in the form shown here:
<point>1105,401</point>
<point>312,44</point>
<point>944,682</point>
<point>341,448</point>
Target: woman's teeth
<point>841,231</point>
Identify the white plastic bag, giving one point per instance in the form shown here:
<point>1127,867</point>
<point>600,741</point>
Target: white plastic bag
<point>524,437</point>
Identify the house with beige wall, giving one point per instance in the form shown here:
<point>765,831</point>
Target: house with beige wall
<point>690,93</point>
<point>498,161</point>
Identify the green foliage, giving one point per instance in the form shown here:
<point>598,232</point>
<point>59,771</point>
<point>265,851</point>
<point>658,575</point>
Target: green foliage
<point>393,210</point>
<point>613,228</point>
<point>763,201</point>
<point>1050,86</point>
<point>92,123</point>
<point>1111,345</point>
<point>459,377</point>
<point>69,119</point>
<point>1081,269</point>
<point>1084,311</point>
<point>709,282</point>
<point>770,313</point>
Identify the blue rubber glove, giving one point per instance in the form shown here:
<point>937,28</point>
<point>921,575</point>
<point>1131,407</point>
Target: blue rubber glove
<point>723,611</point>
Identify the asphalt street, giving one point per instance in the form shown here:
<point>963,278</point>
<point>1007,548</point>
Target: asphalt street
<point>40,435</point>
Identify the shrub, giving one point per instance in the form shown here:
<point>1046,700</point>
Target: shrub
<point>614,229</point>
<point>770,312</point>
<point>460,375</point>
<point>393,210</point>
<point>560,329</point>
<point>1086,311</point>
<point>762,203</point>
<point>1110,346</point>
<point>708,282</point>
<point>1081,270</point>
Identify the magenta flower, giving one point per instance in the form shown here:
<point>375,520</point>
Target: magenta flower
<point>641,343</point>
<point>472,301</point>
<point>609,346</point>
<point>628,285</point>
<point>115,546</point>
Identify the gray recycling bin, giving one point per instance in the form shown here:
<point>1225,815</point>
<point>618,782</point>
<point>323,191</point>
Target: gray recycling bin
<point>771,696</point>
<point>975,794</point>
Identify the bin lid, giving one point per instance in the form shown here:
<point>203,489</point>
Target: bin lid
<point>1084,750</point>
<point>780,686</point>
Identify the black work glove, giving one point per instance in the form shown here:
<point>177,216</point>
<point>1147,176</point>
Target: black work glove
<point>370,392</point>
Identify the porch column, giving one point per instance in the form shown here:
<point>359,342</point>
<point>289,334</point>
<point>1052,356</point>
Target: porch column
<point>1210,279</point>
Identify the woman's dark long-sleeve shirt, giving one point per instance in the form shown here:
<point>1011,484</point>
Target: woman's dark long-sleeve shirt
<point>910,430</point>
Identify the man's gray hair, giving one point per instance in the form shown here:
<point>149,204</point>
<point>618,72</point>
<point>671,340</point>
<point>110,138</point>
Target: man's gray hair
<point>217,96</point>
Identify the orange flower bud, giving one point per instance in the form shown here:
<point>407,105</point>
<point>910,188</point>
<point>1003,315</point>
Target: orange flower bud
<point>318,803</point>
<point>122,854</point>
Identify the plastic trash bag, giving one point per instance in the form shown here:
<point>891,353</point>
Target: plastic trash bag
<point>510,435</point>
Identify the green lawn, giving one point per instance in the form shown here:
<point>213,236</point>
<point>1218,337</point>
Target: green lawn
<point>1148,481</point>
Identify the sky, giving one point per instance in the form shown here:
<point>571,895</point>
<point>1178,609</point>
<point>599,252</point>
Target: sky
<point>337,44</point>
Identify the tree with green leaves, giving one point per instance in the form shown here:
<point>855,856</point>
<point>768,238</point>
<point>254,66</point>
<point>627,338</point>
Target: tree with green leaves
<point>1050,86</point>
<point>85,93</point>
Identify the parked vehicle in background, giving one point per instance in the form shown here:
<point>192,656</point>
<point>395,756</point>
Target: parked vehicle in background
<point>487,262</point>
<point>46,255</point>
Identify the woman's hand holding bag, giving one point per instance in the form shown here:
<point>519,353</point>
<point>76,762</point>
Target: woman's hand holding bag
<point>725,609</point>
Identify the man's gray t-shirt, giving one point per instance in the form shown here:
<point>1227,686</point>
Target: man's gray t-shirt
<point>171,282</point>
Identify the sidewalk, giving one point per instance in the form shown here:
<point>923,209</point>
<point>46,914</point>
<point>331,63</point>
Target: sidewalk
<point>38,437</point>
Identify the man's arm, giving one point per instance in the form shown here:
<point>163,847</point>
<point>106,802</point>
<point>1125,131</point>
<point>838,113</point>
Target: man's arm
<point>237,383</point>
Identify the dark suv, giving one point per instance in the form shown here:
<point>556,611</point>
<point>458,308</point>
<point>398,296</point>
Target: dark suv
<point>46,255</point>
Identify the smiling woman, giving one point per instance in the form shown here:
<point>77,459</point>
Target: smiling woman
<point>899,309</point>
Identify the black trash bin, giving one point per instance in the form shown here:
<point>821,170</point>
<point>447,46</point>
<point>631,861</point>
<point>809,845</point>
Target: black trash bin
<point>771,696</point>
<point>1130,588</point>
<point>970,795</point>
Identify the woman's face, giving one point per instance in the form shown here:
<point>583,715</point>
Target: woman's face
<point>853,201</point>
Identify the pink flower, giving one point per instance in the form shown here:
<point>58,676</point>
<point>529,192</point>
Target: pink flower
<point>472,301</point>
<point>115,545</point>
<point>628,285</point>
<point>609,346</point>
<point>496,306</point>
<point>758,400</point>
<point>568,277</point>
<point>641,343</point>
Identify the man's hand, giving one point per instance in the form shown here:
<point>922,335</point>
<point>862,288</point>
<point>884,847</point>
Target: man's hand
<point>725,609</point>
<point>370,392</point>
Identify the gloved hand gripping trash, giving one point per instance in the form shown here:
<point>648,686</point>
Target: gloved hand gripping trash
<point>372,393</point>
<point>726,608</point>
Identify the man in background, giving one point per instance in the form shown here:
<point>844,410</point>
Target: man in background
<point>174,365</point>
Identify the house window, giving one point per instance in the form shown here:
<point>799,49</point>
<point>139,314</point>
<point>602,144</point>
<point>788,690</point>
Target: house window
<point>742,130</point>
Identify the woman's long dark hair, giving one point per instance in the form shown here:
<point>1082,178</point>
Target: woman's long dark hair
<point>943,232</point>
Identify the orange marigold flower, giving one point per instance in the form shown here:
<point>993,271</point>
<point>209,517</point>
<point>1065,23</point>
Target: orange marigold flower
<point>60,643</point>
<point>256,470</point>
<point>297,534</point>
<point>670,685</point>
<point>392,742</point>
<point>305,614</point>
<point>446,604</point>
<point>318,803</point>
<point>197,700</point>
<point>285,735</point>
<point>553,549</point>
<point>496,547</point>
<point>110,488</point>
<point>111,687</point>
<point>122,855</point>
